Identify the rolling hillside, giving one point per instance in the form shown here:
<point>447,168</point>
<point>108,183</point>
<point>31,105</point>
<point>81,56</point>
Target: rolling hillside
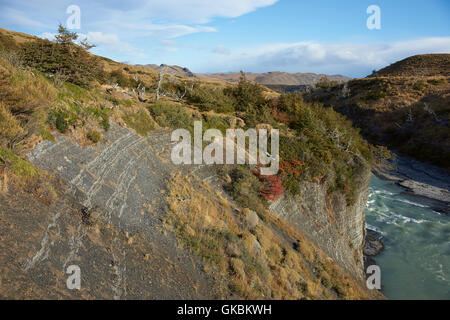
<point>405,106</point>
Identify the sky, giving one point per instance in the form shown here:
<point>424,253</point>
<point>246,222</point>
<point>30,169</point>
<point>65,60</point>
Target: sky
<point>207,36</point>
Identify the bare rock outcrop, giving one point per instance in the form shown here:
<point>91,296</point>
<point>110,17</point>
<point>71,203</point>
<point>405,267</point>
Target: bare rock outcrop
<point>338,229</point>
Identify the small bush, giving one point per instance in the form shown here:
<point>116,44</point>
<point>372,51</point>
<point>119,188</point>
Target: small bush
<point>246,188</point>
<point>420,85</point>
<point>18,165</point>
<point>208,98</point>
<point>437,82</point>
<point>141,122</point>
<point>375,95</point>
<point>325,83</point>
<point>62,119</point>
<point>94,136</point>
<point>248,95</point>
<point>171,115</point>
<point>118,76</point>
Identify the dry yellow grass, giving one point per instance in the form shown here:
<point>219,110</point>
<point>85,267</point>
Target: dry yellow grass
<point>256,263</point>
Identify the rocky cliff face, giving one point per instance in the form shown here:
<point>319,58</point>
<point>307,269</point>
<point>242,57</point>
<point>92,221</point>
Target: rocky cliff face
<point>336,228</point>
<point>108,221</point>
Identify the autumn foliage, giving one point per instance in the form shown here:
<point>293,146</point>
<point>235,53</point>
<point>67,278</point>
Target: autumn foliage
<point>291,167</point>
<point>272,186</point>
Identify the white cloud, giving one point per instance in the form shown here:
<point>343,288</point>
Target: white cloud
<point>201,11</point>
<point>135,18</point>
<point>348,59</point>
<point>110,41</point>
<point>48,35</point>
<point>143,23</point>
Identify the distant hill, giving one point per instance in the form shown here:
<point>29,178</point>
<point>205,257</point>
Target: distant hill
<point>424,65</point>
<point>275,78</point>
<point>268,78</point>
<point>173,70</point>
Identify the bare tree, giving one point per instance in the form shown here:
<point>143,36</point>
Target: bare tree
<point>428,109</point>
<point>410,117</point>
<point>339,140</point>
<point>345,92</point>
<point>188,86</point>
<point>161,75</point>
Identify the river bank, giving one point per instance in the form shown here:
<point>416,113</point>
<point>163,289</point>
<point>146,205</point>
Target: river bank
<point>419,179</point>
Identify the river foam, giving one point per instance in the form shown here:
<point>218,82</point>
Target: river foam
<point>416,261</point>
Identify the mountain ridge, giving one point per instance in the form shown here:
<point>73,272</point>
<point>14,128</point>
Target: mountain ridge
<point>266,78</point>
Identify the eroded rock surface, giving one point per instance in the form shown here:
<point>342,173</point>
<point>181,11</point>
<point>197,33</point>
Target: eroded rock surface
<point>338,229</point>
<point>107,220</point>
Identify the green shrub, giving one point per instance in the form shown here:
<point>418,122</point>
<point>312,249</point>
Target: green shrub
<point>325,83</point>
<point>209,98</point>
<point>420,85</point>
<point>62,119</point>
<point>436,82</point>
<point>245,188</point>
<point>141,122</point>
<point>248,95</point>
<point>215,122</point>
<point>171,115</point>
<point>94,136</point>
<point>117,76</point>
<point>375,95</point>
<point>18,165</point>
<point>66,58</point>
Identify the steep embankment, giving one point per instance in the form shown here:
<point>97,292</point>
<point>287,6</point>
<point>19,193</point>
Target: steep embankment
<point>405,106</point>
<point>328,221</point>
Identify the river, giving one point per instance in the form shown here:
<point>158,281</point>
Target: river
<point>415,263</point>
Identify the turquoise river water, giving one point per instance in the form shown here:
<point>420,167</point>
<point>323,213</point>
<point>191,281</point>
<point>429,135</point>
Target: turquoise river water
<point>415,263</point>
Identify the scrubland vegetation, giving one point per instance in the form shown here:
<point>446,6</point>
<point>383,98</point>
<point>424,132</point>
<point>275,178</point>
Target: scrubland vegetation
<point>249,254</point>
<point>404,106</point>
<point>59,85</point>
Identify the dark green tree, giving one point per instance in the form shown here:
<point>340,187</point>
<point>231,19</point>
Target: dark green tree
<point>64,36</point>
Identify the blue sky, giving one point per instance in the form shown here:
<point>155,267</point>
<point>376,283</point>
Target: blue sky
<point>323,36</point>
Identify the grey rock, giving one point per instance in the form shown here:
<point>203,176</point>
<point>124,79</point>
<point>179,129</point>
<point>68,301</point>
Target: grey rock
<point>372,244</point>
<point>252,219</point>
<point>327,221</point>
